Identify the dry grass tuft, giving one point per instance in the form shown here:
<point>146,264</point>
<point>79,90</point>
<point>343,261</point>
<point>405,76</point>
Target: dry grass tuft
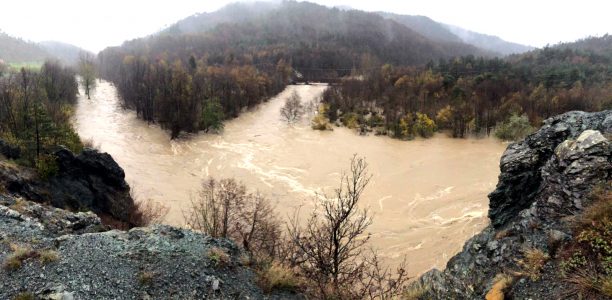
<point>414,291</point>
<point>278,277</point>
<point>503,234</point>
<point>502,283</point>
<point>20,254</point>
<point>48,256</point>
<point>218,256</point>
<point>146,277</point>
<point>24,296</point>
<point>532,263</point>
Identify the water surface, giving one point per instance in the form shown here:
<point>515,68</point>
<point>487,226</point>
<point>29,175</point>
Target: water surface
<point>428,196</point>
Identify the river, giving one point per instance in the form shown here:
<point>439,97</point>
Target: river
<point>428,196</point>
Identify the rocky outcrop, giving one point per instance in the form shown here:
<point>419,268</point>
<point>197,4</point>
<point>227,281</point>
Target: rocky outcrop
<point>88,181</point>
<point>521,164</point>
<point>545,179</point>
<point>89,262</point>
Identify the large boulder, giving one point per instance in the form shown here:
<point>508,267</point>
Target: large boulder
<point>521,164</point>
<point>91,180</point>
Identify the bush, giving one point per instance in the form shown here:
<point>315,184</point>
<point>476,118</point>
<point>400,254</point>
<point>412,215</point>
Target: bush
<point>501,283</point>
<point>146,212</point>
<point>276,276</point>
<point>350,120</point>
<point>320,122</point>
<point>24,296</point>
<point>515,128</point>
<point>48,256</point>
<point>219,257</point>
<point>532,263</point>
<point>46,166</point>
<point>587,260</point>
<point>20,254</point>
<point>146,277</point>
<point>424,126</point>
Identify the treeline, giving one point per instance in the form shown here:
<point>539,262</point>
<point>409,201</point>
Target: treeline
<point>471,95</point>
<point>35,110</point>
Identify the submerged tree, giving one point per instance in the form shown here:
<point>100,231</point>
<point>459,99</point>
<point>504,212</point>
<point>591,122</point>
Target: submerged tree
<point>293,109</point>
<point>87,71</point>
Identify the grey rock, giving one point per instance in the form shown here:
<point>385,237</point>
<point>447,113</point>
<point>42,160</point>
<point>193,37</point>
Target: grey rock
<point>521,163</point>
<point>544,179</point>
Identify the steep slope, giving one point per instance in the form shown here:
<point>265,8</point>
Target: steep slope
<point>530,250</point>
<point>488,42</point>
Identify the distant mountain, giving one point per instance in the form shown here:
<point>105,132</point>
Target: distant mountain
<point>440,32</point>
<point>488,42</point>
<point>14,49</point>
<point>425,26</point>
<point>17,50</point>
<point>308,34</point>
<point>68,54</point>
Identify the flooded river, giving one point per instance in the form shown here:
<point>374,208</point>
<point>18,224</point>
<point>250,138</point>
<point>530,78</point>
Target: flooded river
<point>427,196</point>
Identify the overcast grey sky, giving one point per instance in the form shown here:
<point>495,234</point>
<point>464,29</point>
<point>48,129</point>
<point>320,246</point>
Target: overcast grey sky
<point>95,25</point>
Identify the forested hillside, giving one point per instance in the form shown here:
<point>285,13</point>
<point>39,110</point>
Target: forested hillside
<point>476,95</point>
<point>17,50</point>
<point>187,82</point>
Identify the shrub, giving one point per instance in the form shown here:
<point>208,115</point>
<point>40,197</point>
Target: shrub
<point>532,263</point>
<point>146,212</point>
<point>225,209</point>
<point>20,254</point>
<point>587,260</point>
<point>48,256</point>
<point>350,120</point>
<point>276,276</point>
<point>24,296</point>
<point>415,291</point>
<point>46,166</point>
<point>146,277</point>
<point>219,257</point>
<point>320,122</point>
<point>501,283</point>
<point>515,128</point>
<point>424,126</point>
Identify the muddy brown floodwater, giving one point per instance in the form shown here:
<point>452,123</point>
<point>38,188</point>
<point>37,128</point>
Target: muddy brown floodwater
<point>428,196</point>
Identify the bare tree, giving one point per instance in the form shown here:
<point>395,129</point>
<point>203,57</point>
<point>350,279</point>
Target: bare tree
<point>87,71</point>
<point>329,248</point>
<point>293,109</point>
<point>225,209</point>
